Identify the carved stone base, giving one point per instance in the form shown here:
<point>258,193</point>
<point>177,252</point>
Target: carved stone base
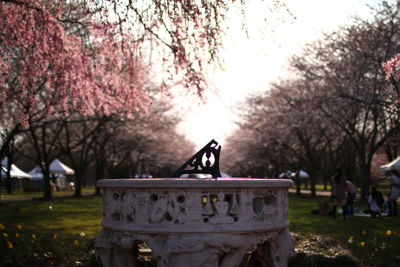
<point>196,250</point>
<point>193,223</point>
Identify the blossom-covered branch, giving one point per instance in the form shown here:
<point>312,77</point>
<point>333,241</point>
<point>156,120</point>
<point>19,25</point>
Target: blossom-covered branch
<point>392,67</point>
<point>44,66</point>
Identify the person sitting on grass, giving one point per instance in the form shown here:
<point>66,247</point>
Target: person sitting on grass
<point>375,201</point>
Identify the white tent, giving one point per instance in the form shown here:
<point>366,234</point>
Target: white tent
<point>286,174</point>
<point>4,161</point>
<point>15,172</point>
<point>36,173</point>
<point>57,167</point>
<point>394,165</point>
<point>303,174</point>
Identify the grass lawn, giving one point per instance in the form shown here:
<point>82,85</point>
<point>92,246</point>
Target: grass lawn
<point>41,233</point>
<point>374,241</point>
<point>21,194</point>
<point>62,232</point>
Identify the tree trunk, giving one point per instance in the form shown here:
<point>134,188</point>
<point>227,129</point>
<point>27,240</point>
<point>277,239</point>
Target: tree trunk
<point>8,173</point>
<point>8,183</point>
<point>298,184</point>
<point>6,143</point>
<point>99,174</point>
<point>365,182</point>
<point>78,184</point>
<point>312,184</point>
<point>47,186</point>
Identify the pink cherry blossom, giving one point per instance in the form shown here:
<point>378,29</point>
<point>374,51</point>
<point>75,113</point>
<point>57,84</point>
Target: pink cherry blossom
<point>43,65</point>
<point>392,67</point>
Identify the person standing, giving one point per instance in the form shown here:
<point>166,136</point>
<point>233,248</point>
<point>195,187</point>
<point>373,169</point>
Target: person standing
<point>339,192</point>
<point>351,195</point>
<point>394,184</point>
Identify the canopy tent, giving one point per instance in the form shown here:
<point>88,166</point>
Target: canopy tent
<point>286,174</point>
<point>15,172</point>
<point>58,175</point>
<point>303,174</point>
<point>56,168</point>
<point>36,173</point>
<point>4,161</point>
<point>393,165</point>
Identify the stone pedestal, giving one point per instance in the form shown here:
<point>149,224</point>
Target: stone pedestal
<point>195,222</point>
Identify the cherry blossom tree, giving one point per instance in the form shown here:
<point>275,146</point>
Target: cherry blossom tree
<point>44,64</point>
<point>88,53</point>
<point>88,56</point>
<point>392,70</point>
<point>392,67</point>
<point>47,68</point>
<point>335,109</point>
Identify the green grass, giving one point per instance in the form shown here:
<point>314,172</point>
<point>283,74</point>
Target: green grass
<point>37,231</point>
<point>20,194</point>
<point>318,187</point>
<point>65,228</point>
<point>376,241</point>
<point>382,186</point>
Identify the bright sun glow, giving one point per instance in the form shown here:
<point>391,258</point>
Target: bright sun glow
<point>252,63</point>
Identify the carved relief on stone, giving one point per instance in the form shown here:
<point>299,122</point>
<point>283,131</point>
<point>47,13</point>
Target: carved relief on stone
<point>129,208</point>
<point>199,226</point>
<point>141,208</point>
<point>164,207</point>
<point>220,207</point>
<point>116,249</point>
<point>222,250</point>
<point>247,203</point>
<point>276,251</point>
<point>194,208</point>
<point>120,206</point>
<point>283,203</point>
<point>265,205</point>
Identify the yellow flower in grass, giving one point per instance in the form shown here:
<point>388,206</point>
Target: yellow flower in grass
<point>2,227</point>
<point>5,235</point>
<point>351,239</point>
<point>76,242</point>
<point>19,227</point>
<point>16,234</point>
<point>9,244</point>
<point>362,244</point>
<point>388,232</point>
<point>33,236</point>
<point>54,236</point>
<point>363,232</point>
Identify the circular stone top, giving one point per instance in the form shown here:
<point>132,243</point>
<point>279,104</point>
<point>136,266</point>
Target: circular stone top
<point>231,182</point>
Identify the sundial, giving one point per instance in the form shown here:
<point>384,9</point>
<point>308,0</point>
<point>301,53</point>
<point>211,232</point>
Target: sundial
<point>205,161</point>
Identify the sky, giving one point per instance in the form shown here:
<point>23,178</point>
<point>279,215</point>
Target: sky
<point>252,63</point>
